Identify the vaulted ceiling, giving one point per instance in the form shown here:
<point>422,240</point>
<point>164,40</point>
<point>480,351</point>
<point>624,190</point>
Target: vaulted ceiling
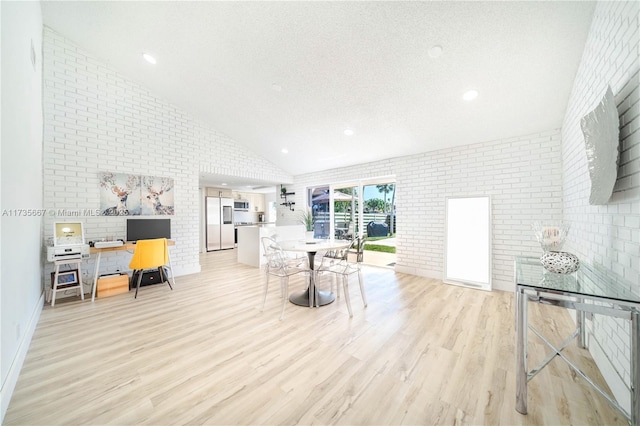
<point>297,75</point>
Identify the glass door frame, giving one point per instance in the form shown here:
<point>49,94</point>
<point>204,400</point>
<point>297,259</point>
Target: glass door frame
<point>360,184</point>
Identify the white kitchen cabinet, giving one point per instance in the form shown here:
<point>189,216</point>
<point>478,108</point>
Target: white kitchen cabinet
<point>218,192</point>
<point>258,203</point>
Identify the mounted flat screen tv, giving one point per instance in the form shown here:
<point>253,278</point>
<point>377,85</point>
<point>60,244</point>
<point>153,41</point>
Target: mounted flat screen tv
<point>148,229</point>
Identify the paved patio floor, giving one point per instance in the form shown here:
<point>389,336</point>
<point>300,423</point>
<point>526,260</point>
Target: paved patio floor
<point>377,258</point>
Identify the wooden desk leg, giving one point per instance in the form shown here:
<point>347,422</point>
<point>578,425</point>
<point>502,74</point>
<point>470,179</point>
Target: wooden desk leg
<point>521,352</point>
<point>80,279</point>
<point>635,369</point>
<point>171,268</point>
<point>55,285</point>
<point>95,277</point>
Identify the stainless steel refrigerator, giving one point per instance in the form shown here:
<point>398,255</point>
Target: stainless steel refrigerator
<point>220,229</point>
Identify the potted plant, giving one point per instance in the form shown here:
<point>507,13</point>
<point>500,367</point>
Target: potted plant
<point>307,219</point>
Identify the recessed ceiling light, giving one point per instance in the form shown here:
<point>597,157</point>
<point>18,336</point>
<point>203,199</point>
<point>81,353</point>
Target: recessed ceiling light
<point>435,51</point>
<point>285,151</point>
<point>470,95</point>
<point>149,58</point>
<point>223,184</point>
<point>276,87</point>
<point>348,132</point>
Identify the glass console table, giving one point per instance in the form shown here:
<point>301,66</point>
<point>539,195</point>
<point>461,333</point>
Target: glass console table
<point>587,290</point>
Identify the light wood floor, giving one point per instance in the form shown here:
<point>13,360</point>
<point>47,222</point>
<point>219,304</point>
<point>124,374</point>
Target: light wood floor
<point>422,353</point>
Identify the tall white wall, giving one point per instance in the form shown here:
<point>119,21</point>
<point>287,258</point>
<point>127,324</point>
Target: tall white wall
<point>523,176</point>
<point>21,182</point>
<point>607,235</point>
<point>99,120</point>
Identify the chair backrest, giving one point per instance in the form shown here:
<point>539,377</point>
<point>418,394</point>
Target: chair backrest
<point>273,252</point>
<point>357,248</point>
<point>351,228</point>
<point>342,254</point>
<point>361,242</point>
<point>150,254</point>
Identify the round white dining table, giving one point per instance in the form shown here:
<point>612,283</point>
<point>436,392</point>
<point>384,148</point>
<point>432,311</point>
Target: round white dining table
<point>312,296</point>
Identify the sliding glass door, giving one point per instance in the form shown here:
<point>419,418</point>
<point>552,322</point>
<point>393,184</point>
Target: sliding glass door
<point>358,208</point>
<point>319,204</point>
<point>346,202</point>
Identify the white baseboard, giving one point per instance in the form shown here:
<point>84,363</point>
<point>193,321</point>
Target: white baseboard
<point>508,286</point>
<point>179,271</point>
<point>16,365</point>
<point>420,272</point>
<point>437,275</point>
<point>618,387</point>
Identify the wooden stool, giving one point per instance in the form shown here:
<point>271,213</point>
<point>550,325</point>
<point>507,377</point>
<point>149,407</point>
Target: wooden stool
<point>78,284</point>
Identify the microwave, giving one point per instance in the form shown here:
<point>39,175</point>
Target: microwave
<point>241,205</point>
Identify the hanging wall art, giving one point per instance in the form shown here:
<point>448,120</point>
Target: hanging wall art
<point>124,194</point>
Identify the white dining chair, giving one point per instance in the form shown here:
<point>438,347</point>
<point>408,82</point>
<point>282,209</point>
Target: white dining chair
<point>279,265</point>
<point>340,266</point>
<point>294,258</point>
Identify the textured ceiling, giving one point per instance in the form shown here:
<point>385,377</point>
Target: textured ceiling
<point>363,66</point>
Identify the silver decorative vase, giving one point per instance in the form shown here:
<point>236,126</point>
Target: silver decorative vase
<point>551,237</point>
<point>560,262</point>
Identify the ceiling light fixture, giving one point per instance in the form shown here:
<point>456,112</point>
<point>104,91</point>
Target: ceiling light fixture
<point>149,58</point>
<point>435,51</point>
<point>285,151</point>
<point>470,95</point>
<point>348,132</point>
<point>223,184</point>
<point>276,87</point>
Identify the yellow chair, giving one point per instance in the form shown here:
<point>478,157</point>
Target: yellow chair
<point>150,254</point>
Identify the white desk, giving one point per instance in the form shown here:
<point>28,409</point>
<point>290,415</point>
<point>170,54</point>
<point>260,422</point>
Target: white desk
<point>312,296</point>
<point>126,246</point>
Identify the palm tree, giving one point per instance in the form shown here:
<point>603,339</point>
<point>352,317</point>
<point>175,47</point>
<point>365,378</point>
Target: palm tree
<point>374,204</point>
<point>386,188</point>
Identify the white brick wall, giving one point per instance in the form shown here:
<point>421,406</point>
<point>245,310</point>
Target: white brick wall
<point>98,120</point>
<point>607,235</point>
<point>523,175</point>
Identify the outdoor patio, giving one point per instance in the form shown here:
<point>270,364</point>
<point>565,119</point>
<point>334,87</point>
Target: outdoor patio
<point>378,258</point>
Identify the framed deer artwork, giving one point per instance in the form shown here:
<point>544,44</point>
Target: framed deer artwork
<point>157,195</point>
<point>123,194</point>
<point>119,194</point>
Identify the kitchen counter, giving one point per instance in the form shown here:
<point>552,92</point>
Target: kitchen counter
<point>250,250</point>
